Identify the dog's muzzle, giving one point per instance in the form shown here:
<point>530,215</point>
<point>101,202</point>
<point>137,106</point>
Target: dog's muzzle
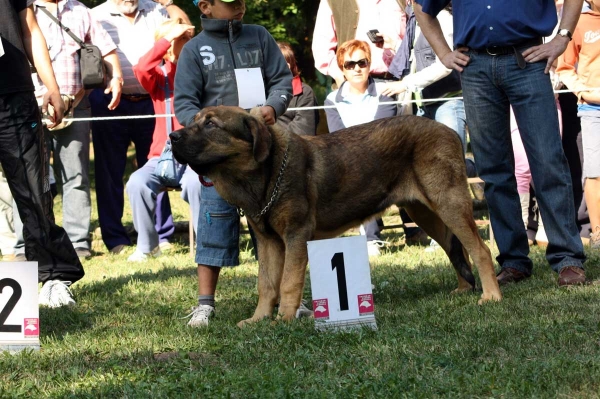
<point>175,137</point>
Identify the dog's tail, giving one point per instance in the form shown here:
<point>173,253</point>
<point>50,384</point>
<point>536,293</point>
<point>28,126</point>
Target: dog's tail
<point>460,262</point>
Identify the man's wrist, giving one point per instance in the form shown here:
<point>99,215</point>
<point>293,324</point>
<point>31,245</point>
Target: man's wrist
<point>565,33</point>
<point>119,79</point>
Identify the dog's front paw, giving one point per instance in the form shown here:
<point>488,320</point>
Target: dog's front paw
<point>460,290</point>
<point>286,314</point>
<point>487,297</point>
<point>251,320</point>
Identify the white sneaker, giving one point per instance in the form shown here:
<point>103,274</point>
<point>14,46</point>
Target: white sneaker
<point>373,247</point>
<point>165,246</point>
<point>433,246</point>
<point>139,256</point>
<point>200,315</point>
<point>303,311</point>
<point>55,294</point>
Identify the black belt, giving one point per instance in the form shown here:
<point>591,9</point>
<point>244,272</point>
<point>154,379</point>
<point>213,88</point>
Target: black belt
<point>134,98</point>
<point>383,76</point>
<point>508,50</point>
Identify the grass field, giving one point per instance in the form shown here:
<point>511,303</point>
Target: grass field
<point>127,339</point>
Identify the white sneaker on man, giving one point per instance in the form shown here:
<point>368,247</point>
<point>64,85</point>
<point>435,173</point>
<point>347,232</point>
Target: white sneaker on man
<point>200,315</point>
<point>373,247</point>
<point>55,294</point>
<point>139,256</point>
<point>165,246</point>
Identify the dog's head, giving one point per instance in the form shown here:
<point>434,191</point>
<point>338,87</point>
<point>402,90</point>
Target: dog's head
<point>224,137</point>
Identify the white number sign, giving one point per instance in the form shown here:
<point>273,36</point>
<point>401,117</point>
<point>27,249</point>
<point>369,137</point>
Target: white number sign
<point>19,312</point>
<point>341,283</point>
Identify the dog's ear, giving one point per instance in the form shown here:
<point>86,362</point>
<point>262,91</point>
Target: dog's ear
<point>261,137</point>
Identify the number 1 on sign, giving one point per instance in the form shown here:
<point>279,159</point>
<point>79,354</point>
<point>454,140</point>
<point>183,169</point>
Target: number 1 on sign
<point>337,263</point>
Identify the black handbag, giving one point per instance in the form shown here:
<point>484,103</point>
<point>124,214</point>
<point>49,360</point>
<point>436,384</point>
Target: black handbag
<point>90,58</point>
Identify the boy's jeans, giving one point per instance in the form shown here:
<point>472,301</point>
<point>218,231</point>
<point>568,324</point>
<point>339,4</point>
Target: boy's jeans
<point>490,85</point>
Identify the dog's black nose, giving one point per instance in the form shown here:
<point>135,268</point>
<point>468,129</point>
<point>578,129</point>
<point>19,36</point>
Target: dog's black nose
<point>175,136</point>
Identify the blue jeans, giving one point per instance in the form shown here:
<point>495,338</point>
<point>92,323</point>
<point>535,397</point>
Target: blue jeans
<point>144,189</point>
<point>450,113</point>
<point>218,238</point>
<point>490,85</point>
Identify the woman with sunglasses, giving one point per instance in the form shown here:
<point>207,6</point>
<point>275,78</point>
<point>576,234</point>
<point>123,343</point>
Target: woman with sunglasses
<point>358,100</point>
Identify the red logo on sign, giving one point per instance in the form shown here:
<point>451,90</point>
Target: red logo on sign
<point>365,304</point>
<point>32,328</point>
<point>321,309</point>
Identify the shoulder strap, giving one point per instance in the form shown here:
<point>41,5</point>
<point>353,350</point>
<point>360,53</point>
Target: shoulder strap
<point>65,28</point>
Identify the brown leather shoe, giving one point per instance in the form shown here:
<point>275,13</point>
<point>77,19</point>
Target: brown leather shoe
<point>509,275</point>
<point>571,275</point>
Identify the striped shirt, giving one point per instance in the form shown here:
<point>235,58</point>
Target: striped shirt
<point>63,49</point>
<point>133,40</point>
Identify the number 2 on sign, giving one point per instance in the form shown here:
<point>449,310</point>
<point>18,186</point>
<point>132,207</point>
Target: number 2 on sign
<point>10,305</point>
<point>337,263</point>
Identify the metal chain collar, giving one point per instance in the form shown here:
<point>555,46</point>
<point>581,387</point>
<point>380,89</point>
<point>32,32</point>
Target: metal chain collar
<point>276,188</point>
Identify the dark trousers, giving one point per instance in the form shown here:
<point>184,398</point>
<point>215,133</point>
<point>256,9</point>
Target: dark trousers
<point>111,140</point>
<point>23,157</point>
<point>572,146</point>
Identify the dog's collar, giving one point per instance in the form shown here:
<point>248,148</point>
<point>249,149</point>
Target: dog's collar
<point>276,188</point>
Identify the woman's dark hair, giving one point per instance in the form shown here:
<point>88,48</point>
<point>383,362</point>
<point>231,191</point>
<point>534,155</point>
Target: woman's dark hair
<point>289,56</point>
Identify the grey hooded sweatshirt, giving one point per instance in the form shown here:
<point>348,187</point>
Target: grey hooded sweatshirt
<point>205,70</point>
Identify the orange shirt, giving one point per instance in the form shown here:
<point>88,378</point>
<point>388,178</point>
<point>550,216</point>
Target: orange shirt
<point>579,66</point>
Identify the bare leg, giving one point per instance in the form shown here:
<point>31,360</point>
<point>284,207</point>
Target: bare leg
<point>592,199</point>
<point>208,277</point>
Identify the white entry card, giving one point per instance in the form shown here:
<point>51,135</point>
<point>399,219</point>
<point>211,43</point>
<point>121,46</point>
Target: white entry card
<point>341,283</point>
<point>251,87</point>
<point>19,311</point>
<point>1,48</point>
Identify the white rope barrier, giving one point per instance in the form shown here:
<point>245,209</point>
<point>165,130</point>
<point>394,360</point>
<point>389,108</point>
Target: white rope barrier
<point>317,107</point>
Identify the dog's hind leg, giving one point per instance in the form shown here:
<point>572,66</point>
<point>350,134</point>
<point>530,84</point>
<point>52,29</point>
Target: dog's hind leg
<point>436,229</point>
<point>456,211</point>
<point>271,252</point>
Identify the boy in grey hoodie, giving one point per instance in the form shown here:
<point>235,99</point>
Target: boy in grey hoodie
<point>211,71</point>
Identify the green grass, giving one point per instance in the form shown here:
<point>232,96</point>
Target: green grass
<point>126,337</point>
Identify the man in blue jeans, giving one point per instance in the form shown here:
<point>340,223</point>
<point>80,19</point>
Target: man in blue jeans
<point>501,66</point>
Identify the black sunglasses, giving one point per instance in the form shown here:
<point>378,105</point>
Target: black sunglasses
<point>349,65</point>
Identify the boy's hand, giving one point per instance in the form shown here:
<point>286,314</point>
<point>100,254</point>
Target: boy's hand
<point>268,114</point>
<point>179,30</point>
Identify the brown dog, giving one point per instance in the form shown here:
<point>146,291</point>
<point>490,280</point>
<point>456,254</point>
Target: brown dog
<point>296,188</point>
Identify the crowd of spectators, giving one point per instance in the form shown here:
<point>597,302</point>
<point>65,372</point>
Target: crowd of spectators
<point>385,58</point>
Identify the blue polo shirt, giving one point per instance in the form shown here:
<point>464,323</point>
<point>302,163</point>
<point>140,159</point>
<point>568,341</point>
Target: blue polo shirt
<point>483,23</point>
